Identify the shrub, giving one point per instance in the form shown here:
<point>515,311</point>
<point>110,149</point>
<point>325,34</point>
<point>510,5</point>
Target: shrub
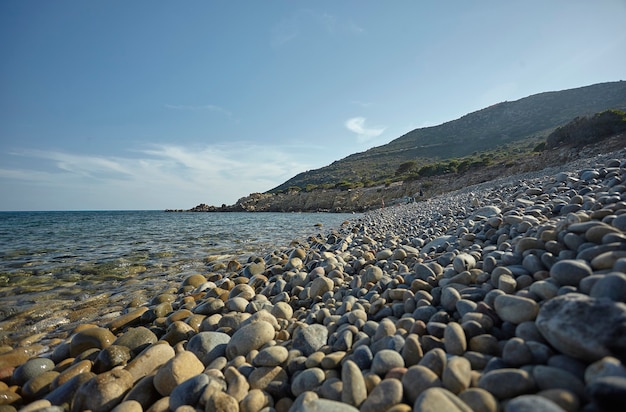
<point>581,130</point>
<point>406,167</point>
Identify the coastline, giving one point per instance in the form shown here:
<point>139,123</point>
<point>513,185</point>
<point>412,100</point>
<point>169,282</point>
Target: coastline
<point>459,302</point>
<point>363,199</point>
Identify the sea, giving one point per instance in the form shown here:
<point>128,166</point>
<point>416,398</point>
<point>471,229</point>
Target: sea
<point>63,257</point>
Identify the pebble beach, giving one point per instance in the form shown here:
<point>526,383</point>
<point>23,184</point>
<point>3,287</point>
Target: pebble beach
<point>505,296</point>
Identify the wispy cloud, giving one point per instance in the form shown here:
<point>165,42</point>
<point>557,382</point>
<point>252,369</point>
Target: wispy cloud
<point>157,176</point>
<point>307,21</point>
<point>362,104</point>
<point>78,164</point>
<point>208,107</point>
<point>364,134</point>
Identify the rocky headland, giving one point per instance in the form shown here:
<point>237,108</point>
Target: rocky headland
<point>363,199</point>
<point>509,295</point>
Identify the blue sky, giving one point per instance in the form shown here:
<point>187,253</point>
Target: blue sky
<point>155,104</point>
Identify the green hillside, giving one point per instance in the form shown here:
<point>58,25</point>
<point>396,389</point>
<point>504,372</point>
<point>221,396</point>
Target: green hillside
<point>503,128</point>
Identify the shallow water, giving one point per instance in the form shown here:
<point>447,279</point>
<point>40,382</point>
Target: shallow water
<point>60,258</point>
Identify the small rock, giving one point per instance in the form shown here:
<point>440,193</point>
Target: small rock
<point>354,391</point>
<point>307,380</point>
<point>309,339</point>
<point>220,402</point>
<point>31,369</point>
<point>177,370</point>
<point>110,357</point>
<point>507,383</point>
<point>612,286</point>
<point>435,360</point>
<point>271,356</point>
<point>332,360</point>
<point>255,400</point>
<point>454,339</point>
<point>39,385</point>
<point>143,392</point>
<point>479,400</point>
<point>98,338</point>
<point>189,391</point>
<point>321,285</point>
<point>439,399</point>
<point>516,309</point>
<point>417,379</point>
<point>126,320</point>
<point>136,339</point>
<point>103,392</point>
<point>532,403</point>
<point>385,360</point>
<point>412,350</point>
<point>457,374</point>
<point>177,332</point>
<point>608,393</point>
<point>547,377</point>
<point>570,272</point>
<point>249,337</point>
<point>150,360</point>
<point>516,352</point>
<point>128,406</point>
<point>583,327</point>
<point>463,262</point>
<point>208,346</point>
<point>607,366</point>
<point>386,394</point>
<point>282,310</point>
<point>564,398</point>
<point>40,405</point>
<point>310,402</point>
<point>65,392</point>
<point>273,380</point>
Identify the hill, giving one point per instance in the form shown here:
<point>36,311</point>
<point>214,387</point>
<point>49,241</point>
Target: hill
<point>499,129</point>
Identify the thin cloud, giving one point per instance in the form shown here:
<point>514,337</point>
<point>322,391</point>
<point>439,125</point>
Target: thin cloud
<point>85,165</point>
<point>354,28</point>
<point>308,21</point>
<point>364,134</point>
<point>362,104</point>
<point>170,175</point>
<point>208,107</point>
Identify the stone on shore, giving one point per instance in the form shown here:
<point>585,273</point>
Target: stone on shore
<point>386,394</point>
<point>98,338</point>
<point>516,309</point>
<point>439,399</point>
<point>181,367</point>
<point>103,392</point>
<point>208,346</point>
<point>583,327</point>
<point>354,391</point>
<point>309,339</point>
<point>148,361</point>
<point>249,337</point>
<point>507,383</point>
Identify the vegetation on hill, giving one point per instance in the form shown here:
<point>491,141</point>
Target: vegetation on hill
<point>503,131</point>
<point>583,130</point>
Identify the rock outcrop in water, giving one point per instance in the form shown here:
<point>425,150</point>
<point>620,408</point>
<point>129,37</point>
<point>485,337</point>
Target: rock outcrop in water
<point>509,295</point>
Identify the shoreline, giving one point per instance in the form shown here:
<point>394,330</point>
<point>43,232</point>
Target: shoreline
<point>459,302</point>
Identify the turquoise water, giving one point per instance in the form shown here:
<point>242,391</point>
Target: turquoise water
<point>71,256</point>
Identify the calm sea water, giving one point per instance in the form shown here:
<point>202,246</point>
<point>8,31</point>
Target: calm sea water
<point>36,247</point>
<point>62,255</point>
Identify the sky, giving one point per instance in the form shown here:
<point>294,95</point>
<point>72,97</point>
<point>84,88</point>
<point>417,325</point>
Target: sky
<point>147,105</point>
